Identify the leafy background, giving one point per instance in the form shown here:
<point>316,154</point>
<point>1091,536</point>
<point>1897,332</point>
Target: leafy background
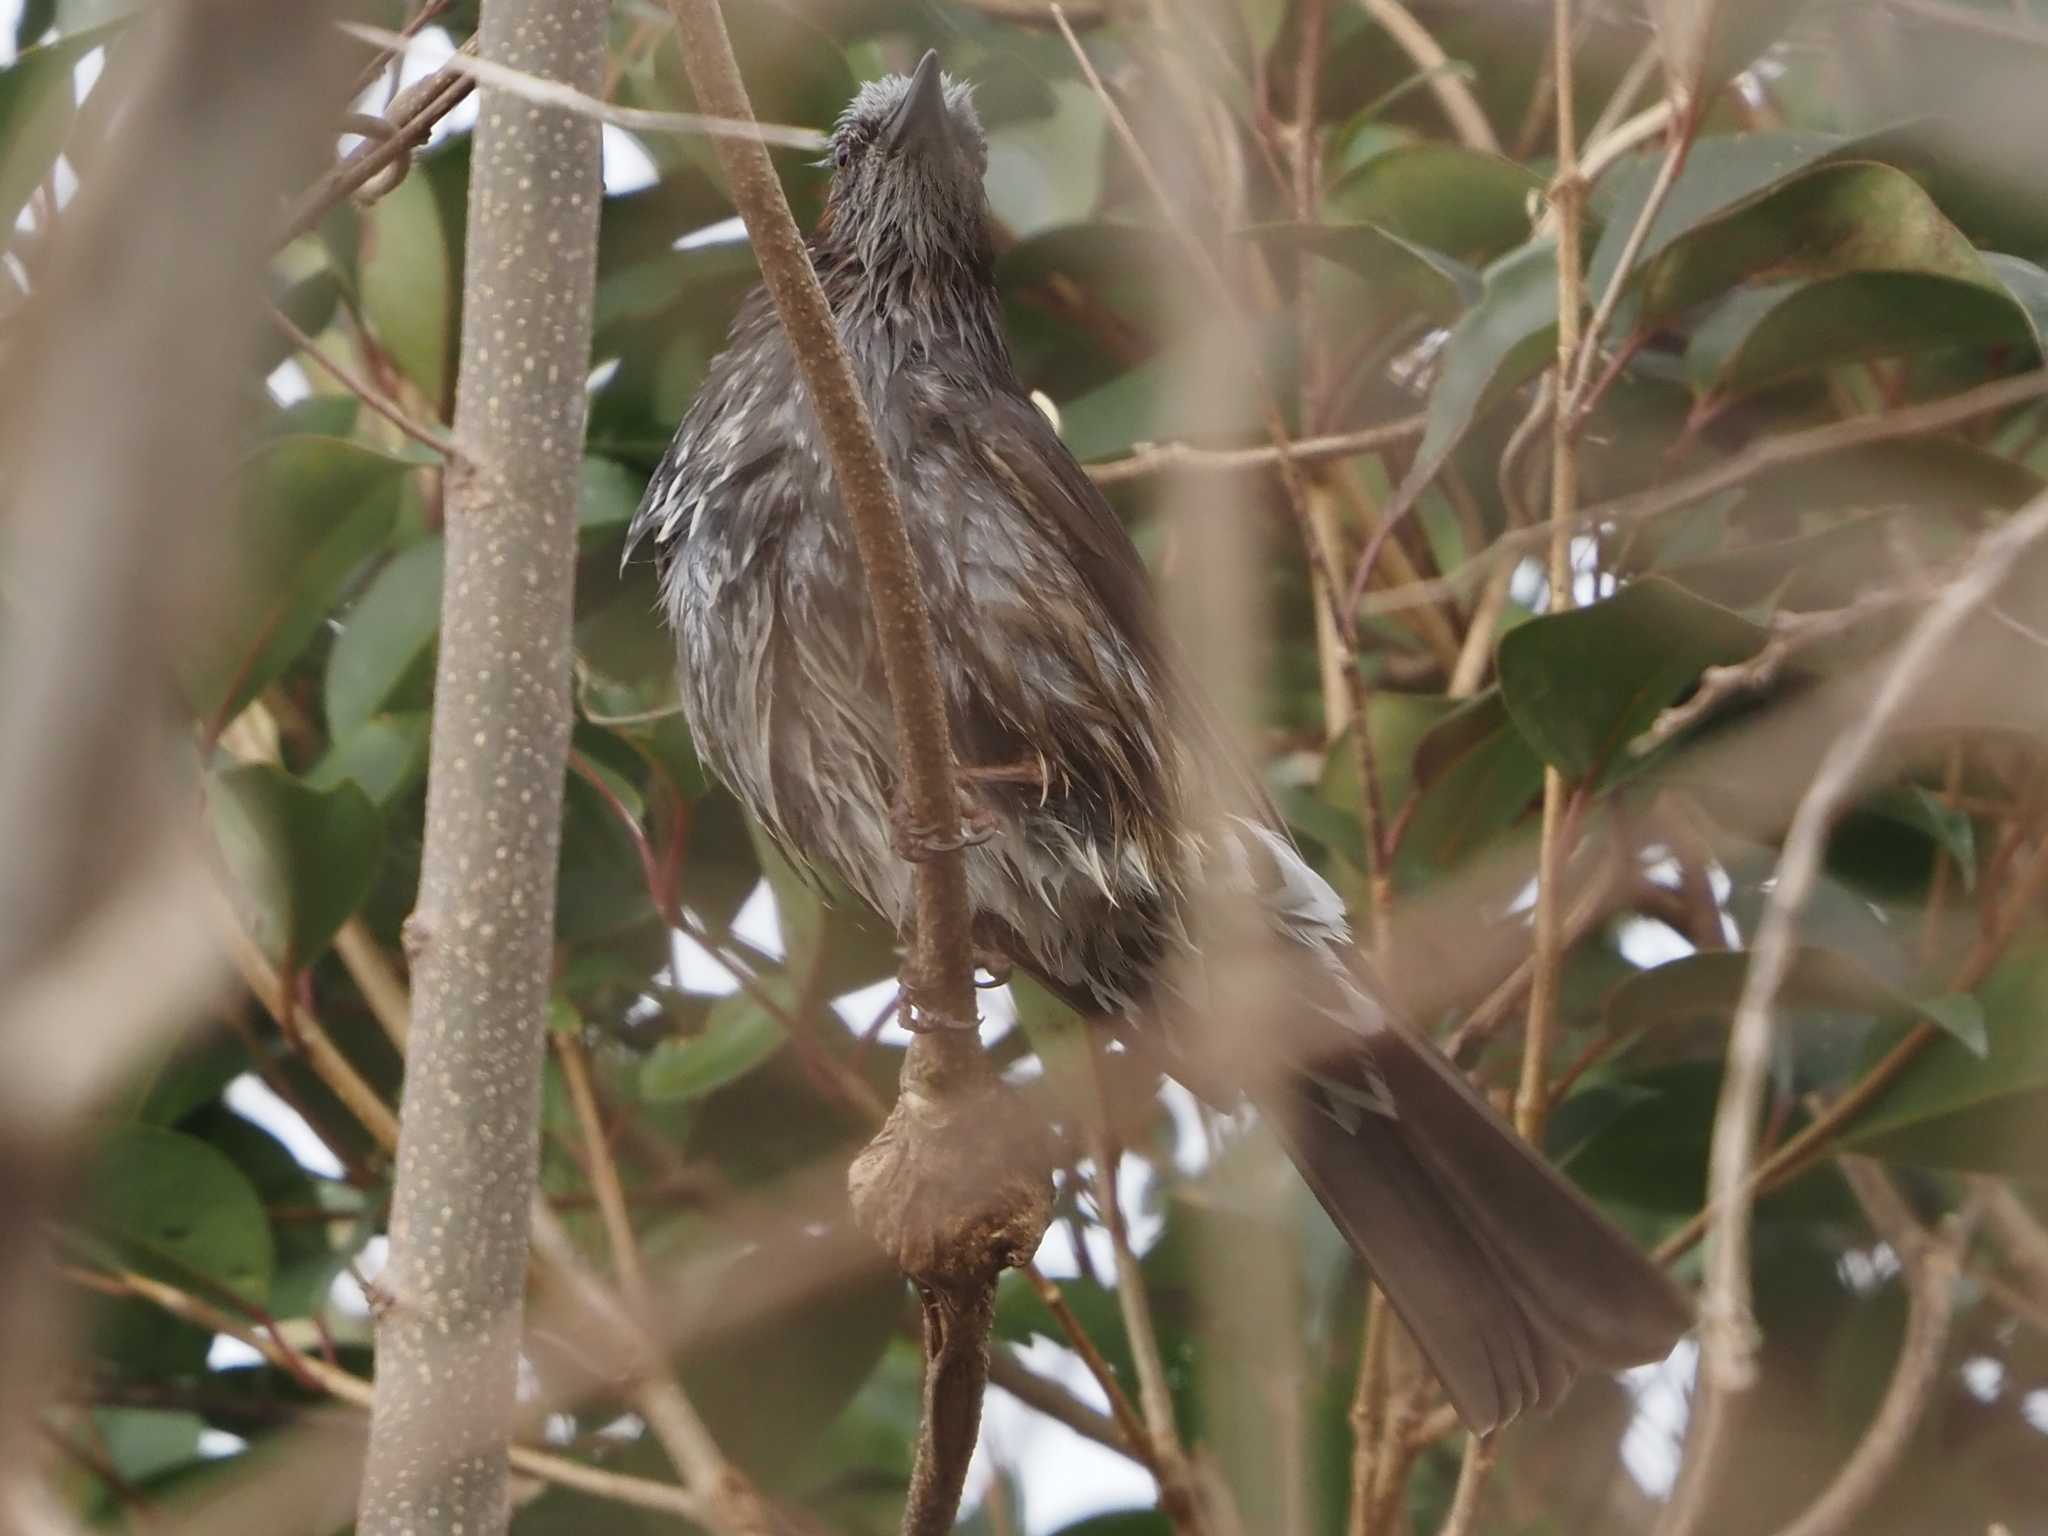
<point>1859,226</point>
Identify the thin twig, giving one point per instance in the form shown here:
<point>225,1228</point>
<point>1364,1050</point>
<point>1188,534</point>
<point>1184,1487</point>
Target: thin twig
<point>1930,1265</point>
<point>604,1174</point>
<point>427,437</point>
<point>1122,1409</point>
<point>1792,633</point>
<point>1576,398</point>
<point>1727,1330</point>
<point>1034,1391</point>
<point>412,116</point>
<point>1452,92</point>
<point>355,1391</point>
<point>552,93</point>
<point>1464,1516</point>
<point>1568,193</point>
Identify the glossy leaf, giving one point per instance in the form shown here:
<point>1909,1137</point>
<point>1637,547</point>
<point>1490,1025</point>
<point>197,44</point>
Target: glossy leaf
<point>1709,985</point>
<point>740,1034</point>
<point>1469,204</point>
<point>1503,341</point>
<point>314,509</point>
<point>1583,684</point>
<point>1440,287</point>
<point>1766,335</point>
<point>35,113</point>
<point>303,858</point>
<point>1952,1108</point>
<point>385,638</point>
<point>1723,175</point>
<point>384,756</point>
<point>407,283</point>
<point>178,1209</point>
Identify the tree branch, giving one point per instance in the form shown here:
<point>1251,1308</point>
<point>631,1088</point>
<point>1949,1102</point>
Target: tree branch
<point>481,937</point>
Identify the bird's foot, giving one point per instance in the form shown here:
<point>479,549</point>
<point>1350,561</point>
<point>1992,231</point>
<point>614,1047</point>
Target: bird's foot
<point>920,1019</point>
<point>993,963</point>
<point>916,841</point>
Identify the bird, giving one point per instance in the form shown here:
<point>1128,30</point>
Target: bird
<point>1082,742</point>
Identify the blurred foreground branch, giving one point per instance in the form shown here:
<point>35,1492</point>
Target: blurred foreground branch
<point>113,533</point>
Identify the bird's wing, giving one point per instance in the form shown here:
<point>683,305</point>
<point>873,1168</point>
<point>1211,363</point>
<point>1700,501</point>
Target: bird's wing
<point>1021,446</point>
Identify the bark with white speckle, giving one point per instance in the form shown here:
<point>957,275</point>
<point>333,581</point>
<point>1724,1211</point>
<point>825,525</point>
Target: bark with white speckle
<point>480,939</point>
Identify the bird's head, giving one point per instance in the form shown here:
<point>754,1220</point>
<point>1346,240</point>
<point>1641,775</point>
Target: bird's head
<point>907,162</point>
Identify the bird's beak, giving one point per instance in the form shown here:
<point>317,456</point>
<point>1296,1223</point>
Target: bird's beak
<point>920,122</point>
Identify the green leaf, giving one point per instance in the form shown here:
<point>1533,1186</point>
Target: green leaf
<point>1399,723</point>
<point>35,19</point>
<point>1723,175</point>
<point>407,283</point>
<point>384,638</point>
<point>1473,205</point>
<point>313,510</point>
<point>1765,335</point>
<point>1952,1108</point>
<point>1503,341</point>
<point>1704,42</point>
<point>607,495</point>
<point>383,757</point>
<point>176,1208</point>
<point>36,106</point>
<point>1709,985</point>
<point>1476,776</point>
<point>1845,217</point>
<point>1582,684</point>
<point>303,858</point>
<point>1890,842</point>
<point>739,1035</point>
<point>1439,286</point>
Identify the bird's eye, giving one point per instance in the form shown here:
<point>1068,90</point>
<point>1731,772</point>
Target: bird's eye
<point>842,154</point>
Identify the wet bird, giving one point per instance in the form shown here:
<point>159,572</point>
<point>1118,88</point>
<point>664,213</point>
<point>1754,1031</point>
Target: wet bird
<point>1081,740</point>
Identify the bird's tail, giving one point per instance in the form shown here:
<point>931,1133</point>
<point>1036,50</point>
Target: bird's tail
<point>1509,1279</point>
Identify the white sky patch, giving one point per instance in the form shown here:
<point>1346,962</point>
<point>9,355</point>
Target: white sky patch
<point>1983,1378</point>
<point>1655,1439</point>
<point>1062,1477</point>
<point>725,232</point>
<point>1648,941</point>
<point>627,165</point>
<point>601,375</point>
<point>214,1444</point>
<point>2034,1409</point>
<point>346,1294</point>
<point>759,923</point>
<point>288,384</point>
<point>229,1354</point>
<point>250,1097</point>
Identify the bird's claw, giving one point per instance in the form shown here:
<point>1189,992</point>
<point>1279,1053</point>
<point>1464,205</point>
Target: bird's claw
<point>920,1020</point>
<point>916,841</point>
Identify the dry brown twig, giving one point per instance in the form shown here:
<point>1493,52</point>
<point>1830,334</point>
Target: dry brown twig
<point>1791,633</point>
<point>1727,1330</point>
<point>1931,1264</point>
<point>952,1202</point>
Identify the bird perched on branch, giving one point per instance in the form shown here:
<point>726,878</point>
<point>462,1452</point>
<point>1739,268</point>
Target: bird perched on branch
<point>1082,743</point>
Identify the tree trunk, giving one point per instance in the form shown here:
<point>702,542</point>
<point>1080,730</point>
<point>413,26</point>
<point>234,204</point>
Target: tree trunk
<point>480,939</point>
